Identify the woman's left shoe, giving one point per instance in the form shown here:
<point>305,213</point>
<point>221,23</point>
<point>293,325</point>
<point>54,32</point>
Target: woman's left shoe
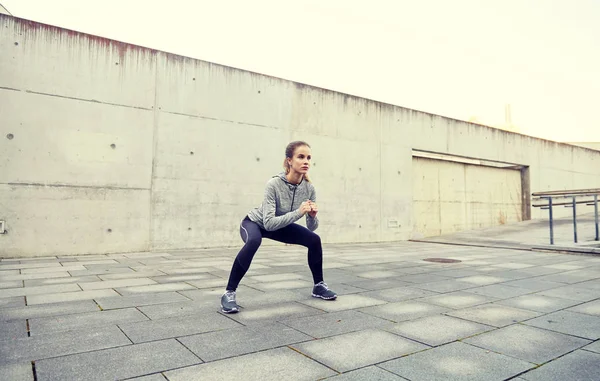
<point>322,291</point>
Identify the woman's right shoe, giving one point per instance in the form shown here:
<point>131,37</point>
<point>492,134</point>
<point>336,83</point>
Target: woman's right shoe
<point>228,303</point>
<point>322,291</point>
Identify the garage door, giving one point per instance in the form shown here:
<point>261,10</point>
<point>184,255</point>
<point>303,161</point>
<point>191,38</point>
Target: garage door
<point>450,196</point>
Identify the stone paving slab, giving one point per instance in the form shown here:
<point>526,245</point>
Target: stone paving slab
<point>12,330</point>
<point>457,300</point>
<point>69,296</point>
<point>140,300</point>
<point>152,377</point>
<point>570,323</point>
<point>14,301</point>
<point>402,311</point>
<point>146,273</point>
<point>538,303</point>
<point>270,313</point>
<point>22,371</point>
<point>117,363</point>
<point>27,291</point>
<point>572,292</point>
<point>164,287</point>
<point>500,291</point>
<point>528,343</point>
<point>438,329</point>
<point>242,340</point>
<point>398,294</point>
<point>343,302</point>
<point>180,309</point>
<point>176,327</point>
<point>378,284</point>
<point>70,279</point>
<point>61,274</point>
<point>272,365</point>
<point>11,284</point>
<point>456,361</point>
<point>594,347</point>
<point>445,286</point>
<point>60,344</point>
<point>358,349</point>
<point>103,284</point>
<point>336,323</point>
<point>494,315</point>
<point>578,365</point>
<point>370,373</point>
<point>42,326</point>
<point>44,310</point>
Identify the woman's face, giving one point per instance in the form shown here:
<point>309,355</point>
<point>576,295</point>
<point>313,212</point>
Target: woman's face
<point>301,160</point>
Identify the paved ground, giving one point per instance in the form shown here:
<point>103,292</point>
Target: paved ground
<point>498,314</point>
<point>532,234</point>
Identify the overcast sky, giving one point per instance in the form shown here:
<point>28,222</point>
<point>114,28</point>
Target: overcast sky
<point>461,58</point>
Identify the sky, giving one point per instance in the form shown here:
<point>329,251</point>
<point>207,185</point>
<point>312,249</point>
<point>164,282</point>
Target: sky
<point>462,59</point>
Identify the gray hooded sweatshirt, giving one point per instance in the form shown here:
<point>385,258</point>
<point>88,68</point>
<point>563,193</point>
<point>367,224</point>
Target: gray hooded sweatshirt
<point>281,202</point>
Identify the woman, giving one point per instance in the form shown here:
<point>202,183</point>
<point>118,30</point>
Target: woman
<point>288,197</point>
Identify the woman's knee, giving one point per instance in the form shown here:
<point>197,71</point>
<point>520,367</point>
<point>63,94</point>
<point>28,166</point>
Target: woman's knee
<point>314,241</point>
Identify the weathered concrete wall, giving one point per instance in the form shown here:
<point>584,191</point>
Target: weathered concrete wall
<point>117,148</point>
<point>591,145</point>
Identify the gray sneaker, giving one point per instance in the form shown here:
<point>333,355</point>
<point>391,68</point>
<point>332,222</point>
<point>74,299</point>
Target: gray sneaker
<point>322,291</point>
<point>228,304</point>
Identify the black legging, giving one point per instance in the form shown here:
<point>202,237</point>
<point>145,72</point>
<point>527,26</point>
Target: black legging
<point>294,234</point>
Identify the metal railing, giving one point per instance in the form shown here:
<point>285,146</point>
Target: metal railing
<point>589,197</point>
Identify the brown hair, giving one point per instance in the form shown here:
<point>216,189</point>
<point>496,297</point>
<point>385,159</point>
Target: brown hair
<point>289,154</point>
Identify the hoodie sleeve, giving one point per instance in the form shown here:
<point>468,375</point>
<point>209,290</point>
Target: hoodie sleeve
<point>270,221</point>
<point>312,223</point>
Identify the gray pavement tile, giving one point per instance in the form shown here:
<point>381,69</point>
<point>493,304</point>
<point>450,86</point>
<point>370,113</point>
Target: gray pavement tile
<point>69,296</point>
<point>27,291</point>
<point>271,365</point>
<point>4,273</point>
<point>28,265</point>
<point>590,284</point>
<point>500,291</point>
<point>538,271</point>
<point>336,323</point>
<point>482,279</point>
<point>578,365</point>
<point>494,315</point>
<point>398,294</point>
<point>565,266</point>
<point>445,286</point>
<point>423,278</point>
<point>570,277</point>
<point>165,287</point>
<point>242,292</point>
<point>70,279</point>
<point>533,284</point>
<point>104,284</point>
<point>210,283</point>
<point>571,323</point>
<point>377,274</point>
<point>340,288</point>
<point>43,310</point>
<point>262,314</point>
<point>62,274</point>
<point>456,361</point>
<point>146,273</point>
<point>140,300</point>
<point>402,311</point>
<point>377,284</point>
<point>538,303</point>
<point>437,330</point>
<point>242,340</point>
<point>277,277</point>
<point>182,278</point>
<point>176,327</point>
<point>572,292</point>
<point>151,377</point>
<point>338,352</point>
<point>14,301</point>
<point>527,343</point>
<point>117,363</point>
<point>164,311</point>
<point>370,373</point>
<point>45,325</point>
<point>458,299</point>
<point>591,308</point>
<point>60,344</point>
<point>11,284</point>
<point>13,330</point>
<point>112,270</point>
<point>283,285</point>
<point>343,302</point>
<point>21,371</point>
<point>512,265</point>
<point>594,347</point>
<point>53,269</point>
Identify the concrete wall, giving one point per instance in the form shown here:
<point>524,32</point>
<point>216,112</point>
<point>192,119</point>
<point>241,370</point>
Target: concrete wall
<point>590,145</point>
<point>109,147</point>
